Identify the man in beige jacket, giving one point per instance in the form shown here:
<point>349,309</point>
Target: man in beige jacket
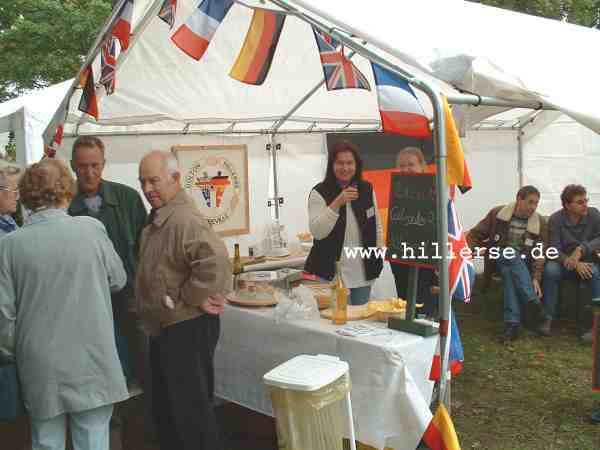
<point>183,275</point>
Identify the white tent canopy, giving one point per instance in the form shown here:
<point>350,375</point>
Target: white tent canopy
<point>28,116</point>
<point>483,50</point>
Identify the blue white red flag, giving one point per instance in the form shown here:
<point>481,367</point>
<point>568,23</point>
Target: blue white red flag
<point>401,112</point>
<point>456,357</point>
<point>194,36</point>
<point>339,71</point>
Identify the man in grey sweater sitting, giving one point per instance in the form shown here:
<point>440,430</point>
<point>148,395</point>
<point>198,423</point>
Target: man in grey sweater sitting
<point>574,231</point>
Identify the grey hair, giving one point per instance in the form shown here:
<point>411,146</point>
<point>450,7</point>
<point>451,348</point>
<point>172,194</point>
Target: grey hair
<point>172,164</point>
<point>168,159</point>
<point>6,173</point>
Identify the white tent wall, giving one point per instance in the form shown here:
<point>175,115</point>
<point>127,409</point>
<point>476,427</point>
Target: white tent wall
<point>565,152</point>
<point>493,158</point>
<point>28,116</point>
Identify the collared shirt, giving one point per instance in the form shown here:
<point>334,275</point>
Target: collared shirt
<point>123,213</point>
<point>566,235</point>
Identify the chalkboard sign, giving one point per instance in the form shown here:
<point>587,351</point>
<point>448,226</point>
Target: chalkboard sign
<point>412,220</point>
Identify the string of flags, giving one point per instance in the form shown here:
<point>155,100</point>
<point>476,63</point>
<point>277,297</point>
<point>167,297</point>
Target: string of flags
<point>400,109</point>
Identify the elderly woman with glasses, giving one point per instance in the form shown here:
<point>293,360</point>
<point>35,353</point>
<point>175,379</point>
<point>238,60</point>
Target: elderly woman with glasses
<point>56,275</point>
<point>9,195</point>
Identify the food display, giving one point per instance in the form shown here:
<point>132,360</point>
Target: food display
<point>255,289</point>
<point>384,308</point>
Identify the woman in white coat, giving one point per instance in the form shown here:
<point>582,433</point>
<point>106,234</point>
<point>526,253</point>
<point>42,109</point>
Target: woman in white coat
<point>56,275</point>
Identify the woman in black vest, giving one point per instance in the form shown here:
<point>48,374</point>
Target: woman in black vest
<point>343,213</point>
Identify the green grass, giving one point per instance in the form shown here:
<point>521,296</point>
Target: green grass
<point>533,394</point>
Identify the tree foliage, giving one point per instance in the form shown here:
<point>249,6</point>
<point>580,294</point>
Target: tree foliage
<point>45,41</point>
<point>580,12</point>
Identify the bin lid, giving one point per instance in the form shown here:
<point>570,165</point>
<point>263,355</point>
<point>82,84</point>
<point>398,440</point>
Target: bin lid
<point>306,372</point>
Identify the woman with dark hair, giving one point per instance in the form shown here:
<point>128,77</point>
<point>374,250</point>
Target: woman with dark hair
<point>342,212</point>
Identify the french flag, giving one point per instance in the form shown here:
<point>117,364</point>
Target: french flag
<point>122,28</point>
<point>193,37</point>
<point>401,112</point>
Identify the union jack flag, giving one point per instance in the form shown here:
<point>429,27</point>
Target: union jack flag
<point>339,71</point>
<point>461,272</point>
<point>167,12</point>
<point>108,64</point>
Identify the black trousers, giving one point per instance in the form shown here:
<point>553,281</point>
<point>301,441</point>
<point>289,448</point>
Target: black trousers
<point>182,365</point>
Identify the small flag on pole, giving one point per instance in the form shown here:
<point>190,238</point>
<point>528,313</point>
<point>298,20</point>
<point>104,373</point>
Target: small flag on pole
<point>194,36</point>
<point>401,112</point>
<point>122,28</point>
<point>89,102</point>
<point>254,60</point>
<point>167,12</point>
<point>457,168</point>
<point>456,359</point>
<point>461,271</point>
<point>440,434</point>
<point>339,71</point>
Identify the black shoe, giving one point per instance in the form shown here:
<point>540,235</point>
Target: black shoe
<point>510,333</point>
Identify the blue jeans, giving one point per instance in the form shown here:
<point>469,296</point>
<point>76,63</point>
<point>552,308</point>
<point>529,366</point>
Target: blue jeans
<point>89,430</point>
<point>360,295</point>
<point>554,272</point>
<point>518,286</point>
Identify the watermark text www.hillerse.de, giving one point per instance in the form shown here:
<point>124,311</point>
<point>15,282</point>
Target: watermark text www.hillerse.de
<point>407,252</point>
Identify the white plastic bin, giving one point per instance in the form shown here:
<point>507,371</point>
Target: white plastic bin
<point>309,394</point>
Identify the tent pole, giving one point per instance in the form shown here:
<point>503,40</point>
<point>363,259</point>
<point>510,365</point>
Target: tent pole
<point>439,140</point>
<point>520,156</point>
<point>274,148</point>
<point>521,133</point>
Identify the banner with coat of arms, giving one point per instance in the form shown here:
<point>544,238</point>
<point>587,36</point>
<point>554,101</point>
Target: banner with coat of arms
<point>216,176</point>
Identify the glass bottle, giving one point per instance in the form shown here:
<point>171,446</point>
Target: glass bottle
<point>237,260</point>
<point>340,300</point>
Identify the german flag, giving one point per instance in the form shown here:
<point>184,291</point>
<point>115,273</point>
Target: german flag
<point>457,169</point>
<point>89,102</point>
<point>254,60</point>
<point>440,434</point>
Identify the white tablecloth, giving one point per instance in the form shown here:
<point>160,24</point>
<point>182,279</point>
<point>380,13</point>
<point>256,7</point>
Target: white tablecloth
<point>391,390</point>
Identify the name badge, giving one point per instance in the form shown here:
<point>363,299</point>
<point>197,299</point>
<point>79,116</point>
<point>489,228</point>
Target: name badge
<point>528,242</point>
<point>370,212</point>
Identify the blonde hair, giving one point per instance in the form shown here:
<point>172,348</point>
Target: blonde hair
<point>414,151</point>
<point>48,183</point>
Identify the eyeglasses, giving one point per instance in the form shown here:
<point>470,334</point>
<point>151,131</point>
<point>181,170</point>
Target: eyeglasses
<point>13,191</point>
<point>583,201</point>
